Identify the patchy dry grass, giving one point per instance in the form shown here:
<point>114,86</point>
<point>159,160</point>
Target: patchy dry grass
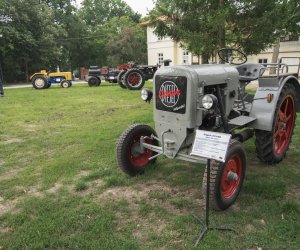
<point>60,186</point>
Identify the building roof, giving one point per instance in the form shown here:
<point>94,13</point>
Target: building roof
<point>152,22</point>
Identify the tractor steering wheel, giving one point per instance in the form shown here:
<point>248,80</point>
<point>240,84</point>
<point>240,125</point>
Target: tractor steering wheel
<point>232,56</point>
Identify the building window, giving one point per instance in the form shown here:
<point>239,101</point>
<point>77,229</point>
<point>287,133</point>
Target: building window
<point>160,58</point>
<point>289,38</point>
<point>263,61</point>
<point>185,57</point>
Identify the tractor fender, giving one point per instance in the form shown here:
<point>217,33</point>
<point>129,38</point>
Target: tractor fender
<point>36,74</point>
<point>294,81</point>
<point>41,73</point>
<point>98,77</point>
<point>263,111</point>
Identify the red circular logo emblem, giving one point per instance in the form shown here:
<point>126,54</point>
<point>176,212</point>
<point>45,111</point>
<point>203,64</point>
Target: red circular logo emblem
<point>169,94</point>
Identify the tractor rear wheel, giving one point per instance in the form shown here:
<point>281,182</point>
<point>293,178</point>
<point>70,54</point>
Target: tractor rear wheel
<point>131,158</point>
<point>40,82</point>
<point>226,179</point>
<point>271,147</point>
<point>121,79</point>
<point>94,81</point>
<point>134,79</point>
<point>65,84</point>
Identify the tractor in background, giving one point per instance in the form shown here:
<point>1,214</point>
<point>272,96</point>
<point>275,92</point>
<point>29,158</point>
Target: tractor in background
<point>95,73</point>
<point>44,80</point>
<point>130,75</point>
<point>94,76</point>
<point>133,76</point>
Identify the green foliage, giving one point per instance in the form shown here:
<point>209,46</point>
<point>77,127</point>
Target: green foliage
<point>292,24</point>
<point>96,12</point>
<point>129,44</point>
<point>25,41</point>
<point>80,186</point>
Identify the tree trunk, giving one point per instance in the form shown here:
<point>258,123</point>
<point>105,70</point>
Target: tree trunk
<point>275,56</point>
<point>222,43</point>
<point>26,70</point>
<point>205,58</point>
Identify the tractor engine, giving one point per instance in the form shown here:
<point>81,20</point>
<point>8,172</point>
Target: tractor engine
<point>187,98</point>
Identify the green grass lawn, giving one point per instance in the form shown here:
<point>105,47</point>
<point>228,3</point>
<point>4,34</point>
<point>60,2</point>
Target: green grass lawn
<point>60,186</point>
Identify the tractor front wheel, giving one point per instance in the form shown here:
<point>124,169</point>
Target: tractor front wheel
<point>134,79</point>
<point>226,179</point>
<point>121,79</point>
<point>131,157</point>
<point>94,81</point>
<point>271,147</point>
<point>39,82</point>
<point>65,84</point>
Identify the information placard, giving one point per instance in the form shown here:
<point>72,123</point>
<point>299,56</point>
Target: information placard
<point>211,145</point>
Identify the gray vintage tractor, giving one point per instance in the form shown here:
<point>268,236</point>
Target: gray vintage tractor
<point>213,98</point>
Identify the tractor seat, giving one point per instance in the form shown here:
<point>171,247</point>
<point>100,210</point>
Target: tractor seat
<point>250,71</point>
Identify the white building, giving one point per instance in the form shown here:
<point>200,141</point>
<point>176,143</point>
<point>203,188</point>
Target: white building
<point>160,49</point>
<point>165,48</point>
<point>289,47</point>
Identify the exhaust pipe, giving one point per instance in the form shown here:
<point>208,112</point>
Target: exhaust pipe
<point>244,135</point>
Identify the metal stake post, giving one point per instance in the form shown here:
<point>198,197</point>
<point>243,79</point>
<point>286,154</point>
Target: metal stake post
<point>205,225</point>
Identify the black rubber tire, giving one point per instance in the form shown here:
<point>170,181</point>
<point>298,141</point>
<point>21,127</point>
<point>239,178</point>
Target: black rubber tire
<point>65,84</point>
<point>129,139</point>
<point>48,86</point>
<point>39,82</point>
<point>264,139</point>
<point>94,81</point>
<point>121,79</point>
<point>138,74</point>
<point>217,200</point>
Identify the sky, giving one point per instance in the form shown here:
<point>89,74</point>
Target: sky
<point>140,6</point>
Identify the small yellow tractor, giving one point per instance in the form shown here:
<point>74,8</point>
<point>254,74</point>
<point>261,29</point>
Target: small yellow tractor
<point>44,80</point>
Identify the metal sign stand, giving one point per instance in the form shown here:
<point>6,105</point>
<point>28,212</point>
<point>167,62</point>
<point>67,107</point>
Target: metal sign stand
<point>206,227</point>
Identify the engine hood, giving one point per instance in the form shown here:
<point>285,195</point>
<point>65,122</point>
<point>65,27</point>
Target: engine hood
<point>211,74</point>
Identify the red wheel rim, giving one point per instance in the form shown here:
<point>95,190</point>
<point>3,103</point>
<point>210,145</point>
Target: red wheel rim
<point>134,79</point>
<point>284,125</point>
<point>229,185</point>
<point>137,159</point>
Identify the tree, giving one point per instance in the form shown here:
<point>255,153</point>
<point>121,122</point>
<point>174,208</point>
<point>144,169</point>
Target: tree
<point>205,26</point>
<point>129,41</point>
<point>96,12</point>
<point>26,40</point>
<point>70,33</point>
<point>292,24</point>
<point>115,36</point>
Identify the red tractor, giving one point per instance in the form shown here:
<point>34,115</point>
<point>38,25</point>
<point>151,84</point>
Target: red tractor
<point>133,75</point>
